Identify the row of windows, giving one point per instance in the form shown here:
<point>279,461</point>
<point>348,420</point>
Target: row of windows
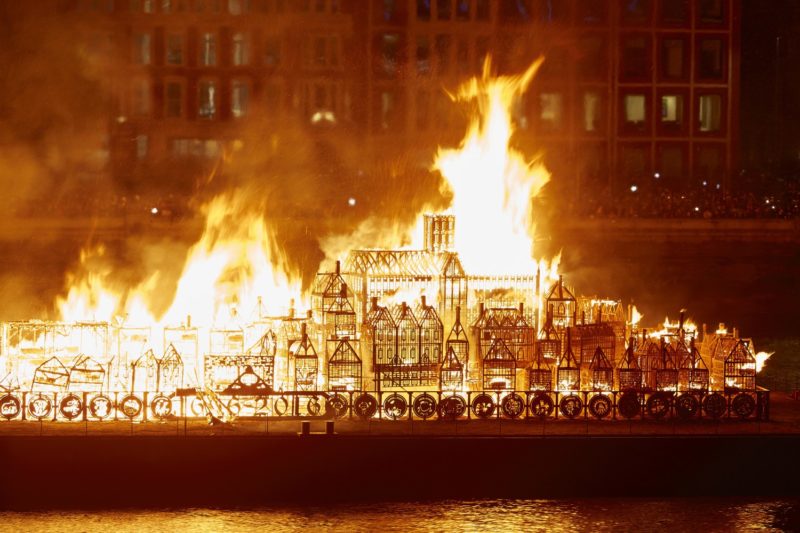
<point>668,13</point>
<point>232,7</point>
<point>319,51</point>
<point>547,112</point>
<point>322,101</point>
<point>444,53</point>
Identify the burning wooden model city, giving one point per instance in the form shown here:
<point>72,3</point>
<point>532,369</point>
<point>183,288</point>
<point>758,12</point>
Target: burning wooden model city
<point>464,324</point>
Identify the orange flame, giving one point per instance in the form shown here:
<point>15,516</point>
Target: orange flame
<point>492,182</point>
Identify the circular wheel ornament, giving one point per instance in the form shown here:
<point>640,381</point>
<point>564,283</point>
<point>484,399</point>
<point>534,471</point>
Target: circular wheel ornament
<point>658,405</point>
<point>100,406</point>
<point>512,405</point>
<point>687,405</point>
<point>483,405</point>
<point>10,406</point>
<point>424,406</point>
<point>714,405</point>
<point>365,406</point>
<point>70,406</point>
<point>542,405</point>
<point>395,406</point>
<point>336,406</point>
<point>600,406</point>
<point>452,407</point>
<point>570,406</point>
<point>161,407</point>
<point>743,405</point>
<point>628,405</point>
<point>281,406</point>
<point>131,406</point>
<point>40,407</point>
<point>313,407</point>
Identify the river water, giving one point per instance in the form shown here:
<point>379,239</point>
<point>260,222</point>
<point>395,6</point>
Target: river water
<point>632,515</point>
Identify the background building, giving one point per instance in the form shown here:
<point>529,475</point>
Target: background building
<point>633,92</point>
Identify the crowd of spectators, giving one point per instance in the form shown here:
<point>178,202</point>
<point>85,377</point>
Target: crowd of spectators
<point>778,200</point>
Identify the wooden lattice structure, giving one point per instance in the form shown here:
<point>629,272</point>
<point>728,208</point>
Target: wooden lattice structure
<point>221,371</point>
<point>508,324</point>
<point>499,367</point>
<point>86,375</point>
<point>648,352</point>
<point>306,362</point>
<point>340,318</point>
<point>344,368</point>
<point>226,341</point>
<point>431,334</point>
<point>383,273</point>
<point>561,305</point>
<point>150,373</point>
<point>630,374</point>
<point>451,373</point>
<point>602,371</point>
<point>548,345</point>
<point>586,338</point>
<point>693,372</point>
<point>540,374</point>
<point>740,367</point>
<point>326,290</point>
<point>667,373</point>
<point>51,375</point>
<point>568,373</point>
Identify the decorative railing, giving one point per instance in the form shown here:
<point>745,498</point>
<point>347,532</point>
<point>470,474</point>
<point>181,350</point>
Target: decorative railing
<point>387,405</point>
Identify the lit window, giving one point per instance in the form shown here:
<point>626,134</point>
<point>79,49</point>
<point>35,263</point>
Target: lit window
<point>141,98</point>
<point>173,100</point>
<point>207,101</point>
<point>166,6</point>
<point>241,50</point>
<point>591,112</point>
<point>208,50</point>
<point>239,99</point>
<point>272,51</point>
<point>141,146</point>
<point>174,50</point>
<point>710,111</point>
<point>551,110</point>
<point>672,109</point>
<point>142,51</point>
<point>635,108</point>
